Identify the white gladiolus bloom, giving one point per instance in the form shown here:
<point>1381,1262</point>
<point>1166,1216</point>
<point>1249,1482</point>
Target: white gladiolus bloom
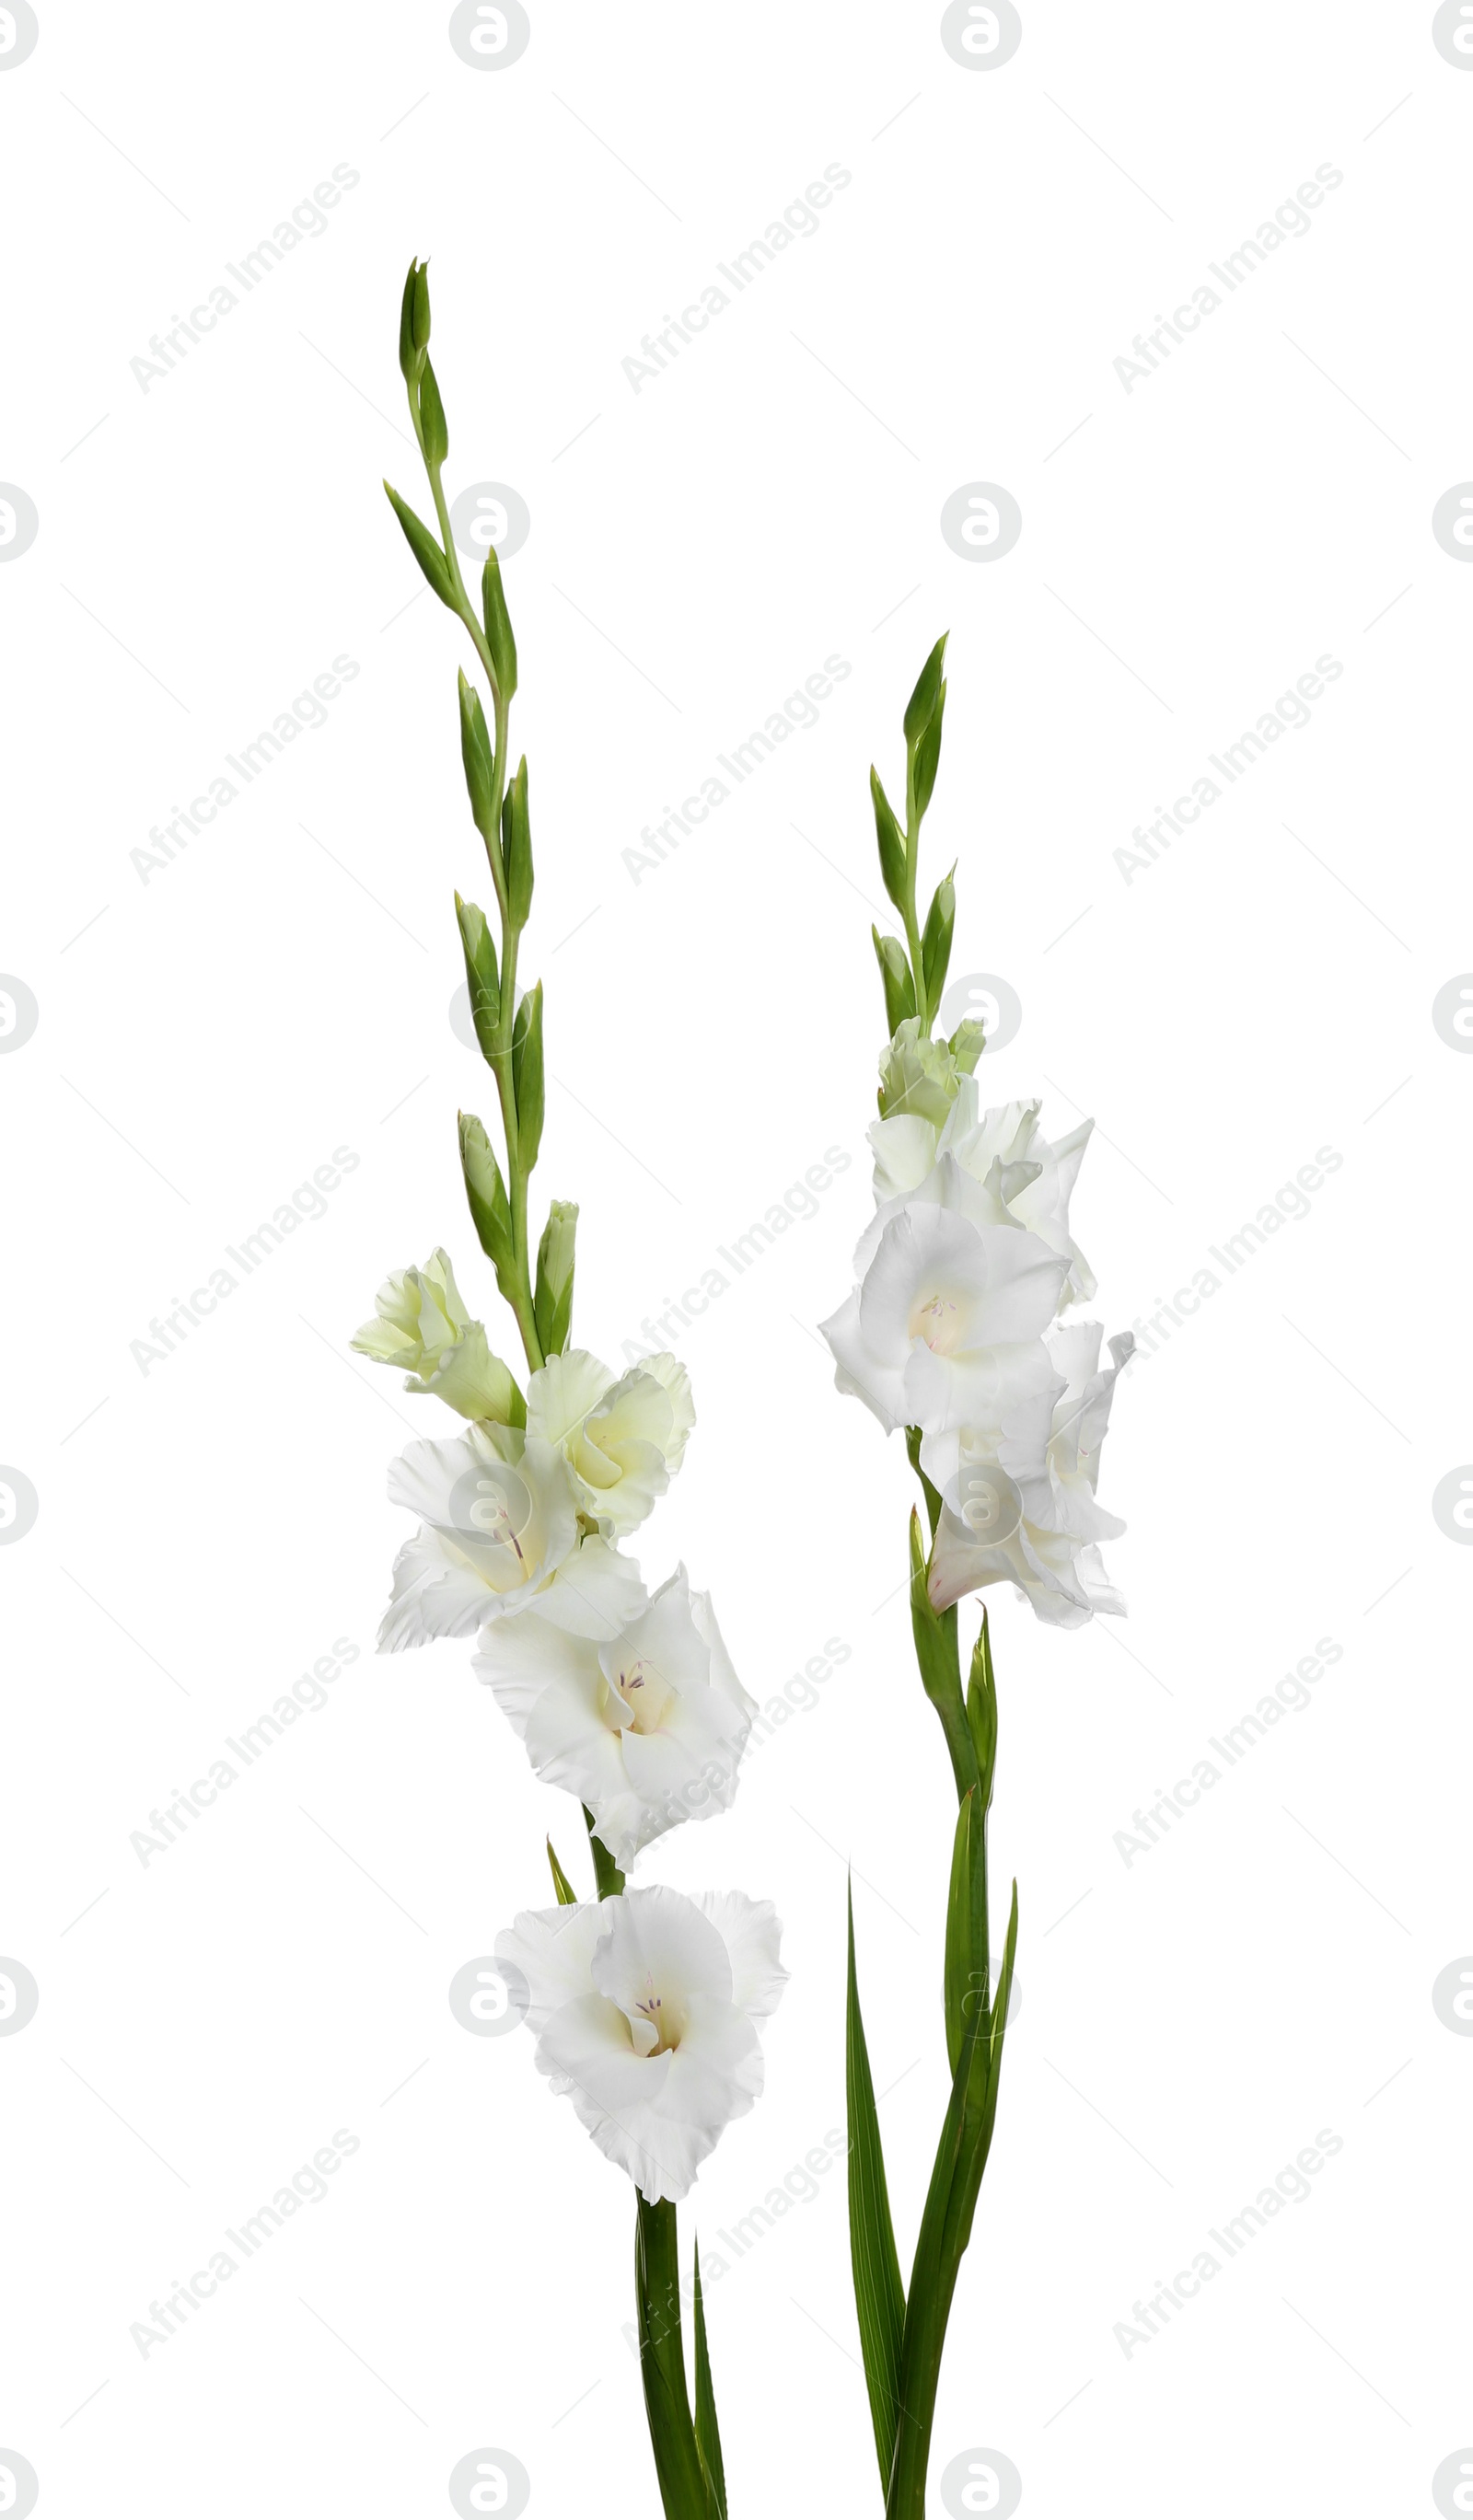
<point>498,1535</point>
<point>947,1324</point>
<point>647,1729</point>
<point>1031,1176</point>
<point>1018,1494</point>
<point>645,2010</point>
<point>624,1438</point>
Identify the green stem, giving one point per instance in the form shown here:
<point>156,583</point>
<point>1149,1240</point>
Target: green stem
<point>935,1635</point>
<point>930,1494</point>
<point>462,605</point>
<point>921,2353</point>
<point>662,2361</point>
<point>520,1295</point>
<point>958,1733</point>
<point>967,2132</point>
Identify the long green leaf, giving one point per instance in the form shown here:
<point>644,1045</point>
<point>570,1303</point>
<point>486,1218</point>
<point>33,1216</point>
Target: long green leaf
<point>879,2295</point>
<point>961,2157</point>
<point>966,2202</point>
<point>708,2431</point>
<point>661,2364</point>
<point>933,2282</point>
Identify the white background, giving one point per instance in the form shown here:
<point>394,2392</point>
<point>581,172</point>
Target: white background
<point>210,1035</point>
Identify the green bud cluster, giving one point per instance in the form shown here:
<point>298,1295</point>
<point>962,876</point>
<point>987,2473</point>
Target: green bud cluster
<point>507,1020</point>
<point>919,1075</point>
<point>913,972</point>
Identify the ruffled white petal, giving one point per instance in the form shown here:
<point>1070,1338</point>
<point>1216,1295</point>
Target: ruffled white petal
<point>752,1936</point>
<point>594,1593</point>
<point>646,1724</point>
<point>645,2008</point>
<point>553,1948</point>
<point>1045,1533</point>
<point>622,1438</point>
<point>435,1594</point>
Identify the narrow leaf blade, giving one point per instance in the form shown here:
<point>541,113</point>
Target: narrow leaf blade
<point>708,2431</point>
<point>988,2067</point>
<point>567,1896</point>
<point>879,2295</point>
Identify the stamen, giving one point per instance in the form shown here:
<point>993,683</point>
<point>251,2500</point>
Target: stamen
<point>497,1527</point>
<point>937,1307</point>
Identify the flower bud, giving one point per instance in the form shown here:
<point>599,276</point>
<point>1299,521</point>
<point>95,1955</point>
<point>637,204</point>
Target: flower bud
<point>552,1304</point>
<point>420,1313</point>
<point>516,829</point>
<point>967,1045</point>
<point>481,976</point>
<point>891,842</point>
<point>422,1326</point>
<point>474,1381</point>
<point>922,702</point>
<point>486,1194</point>
<point>928,753</point>
<point>894,973</point>
<point>527,1077</point>
<point>498,628</point>
<point>410,350</point>
<point>475,757</point>
<point>423,546</point>
<point>918,1076</point>
<point>936,943</point>
<point>435,432</point>
<point>982,1710</point>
